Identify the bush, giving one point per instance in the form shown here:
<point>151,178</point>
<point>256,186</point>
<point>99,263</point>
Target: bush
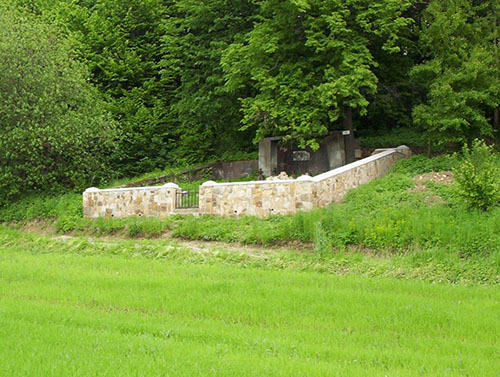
<point>478,176</point>
<point>30,208</point>
<point>54,131</point>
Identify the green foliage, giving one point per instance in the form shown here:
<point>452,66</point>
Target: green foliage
<point>478,176</point>
<point>54,131</point>
<point>392,138</point>
<point>41,207</point>
<point>419,164</point>
<point>189,81</point>
<point>322,243</point>
<point>119,41</point>
<point>205,116</point>
<point>461,72</point>
<point>310,61</point>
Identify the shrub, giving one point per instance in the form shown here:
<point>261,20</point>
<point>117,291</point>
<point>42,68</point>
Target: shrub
<point>478,176</point>
<point>54,130</point>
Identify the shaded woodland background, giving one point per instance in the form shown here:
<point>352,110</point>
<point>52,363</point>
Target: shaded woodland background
<point>98,89</point>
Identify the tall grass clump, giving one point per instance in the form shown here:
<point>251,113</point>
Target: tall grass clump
<point>38,207</point>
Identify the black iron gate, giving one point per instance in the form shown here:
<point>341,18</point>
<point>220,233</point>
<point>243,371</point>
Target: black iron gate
<point>187,199</point>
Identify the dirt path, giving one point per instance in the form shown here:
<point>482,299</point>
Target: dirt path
<point>197,246</point>
<point>200,247</point>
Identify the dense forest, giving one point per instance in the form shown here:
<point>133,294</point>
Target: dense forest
<point>94,89</point>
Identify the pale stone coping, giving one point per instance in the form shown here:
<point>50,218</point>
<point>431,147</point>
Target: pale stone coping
<point>317,178</point>
<point>354,165</point>
<point>251,183</point>
<point>166,186</point>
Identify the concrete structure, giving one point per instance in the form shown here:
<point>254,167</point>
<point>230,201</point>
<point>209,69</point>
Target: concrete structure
<point>256,198</point>
<point>275,157</point>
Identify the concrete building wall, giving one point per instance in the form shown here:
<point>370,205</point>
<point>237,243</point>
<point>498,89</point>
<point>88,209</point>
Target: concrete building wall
<point>265,157</point>
<point>335,147</point>
<point>275,157</point>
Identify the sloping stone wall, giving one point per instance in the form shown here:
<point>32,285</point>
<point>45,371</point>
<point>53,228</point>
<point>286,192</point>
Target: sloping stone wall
<point>333,185</point>
<point>257,198</point>
<point>126,202</point>
<point>264,198</point>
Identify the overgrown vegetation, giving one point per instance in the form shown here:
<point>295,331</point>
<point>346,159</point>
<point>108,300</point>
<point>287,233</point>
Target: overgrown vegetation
<point>55,133</point>
<point>98,91</point>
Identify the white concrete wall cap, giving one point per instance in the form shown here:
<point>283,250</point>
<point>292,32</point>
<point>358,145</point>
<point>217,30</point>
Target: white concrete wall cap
<point>353,165</point>
<point>305,177</point>
<point>92,189</point>
<point>132,189</point>
<point>171,185</point>
<point>274,182</point>
<point>209,183</point>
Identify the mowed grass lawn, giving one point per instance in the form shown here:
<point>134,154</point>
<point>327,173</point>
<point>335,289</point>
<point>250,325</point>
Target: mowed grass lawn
<point>78,314</point>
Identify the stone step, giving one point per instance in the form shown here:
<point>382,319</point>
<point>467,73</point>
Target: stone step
<point>187,211</point>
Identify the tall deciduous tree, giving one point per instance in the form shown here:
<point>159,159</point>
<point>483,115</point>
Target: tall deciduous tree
<point>119,40</point>
<point>54,131</point>
<point>310,63</point>
<point>461,71</point>
<point>205,115</point>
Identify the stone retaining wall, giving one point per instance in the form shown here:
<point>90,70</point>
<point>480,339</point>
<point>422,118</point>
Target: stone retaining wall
<point>264,198</point>
<point>158,201</point>
<point>257,198</point>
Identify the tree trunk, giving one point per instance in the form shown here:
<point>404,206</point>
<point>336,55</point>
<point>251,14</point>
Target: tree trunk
<point>350,155</point>
<point>496,119</point>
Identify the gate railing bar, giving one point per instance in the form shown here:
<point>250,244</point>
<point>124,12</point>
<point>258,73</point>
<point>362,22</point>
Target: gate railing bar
<point>187,199</point>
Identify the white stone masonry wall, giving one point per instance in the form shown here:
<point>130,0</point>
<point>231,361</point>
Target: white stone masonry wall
<point>136,201</point>
<point>264,198</point>
<point>257,198</point>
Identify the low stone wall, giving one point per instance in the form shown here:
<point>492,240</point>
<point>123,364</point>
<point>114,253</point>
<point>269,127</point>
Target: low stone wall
<point>257,198</point>
<point>158,201</point>
<point>264,198</point>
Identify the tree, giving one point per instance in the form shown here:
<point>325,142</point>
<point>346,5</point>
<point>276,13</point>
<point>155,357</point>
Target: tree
<point>54,132</point>
<point>310,63</point>
<point>391,106</point>
<point>461,72</point>
<point>120,42</point>
<point>205,115</point>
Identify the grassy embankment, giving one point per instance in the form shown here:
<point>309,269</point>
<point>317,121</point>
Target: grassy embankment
<point>142,307</point>
<point>426,227</point>
<point>118,307</point>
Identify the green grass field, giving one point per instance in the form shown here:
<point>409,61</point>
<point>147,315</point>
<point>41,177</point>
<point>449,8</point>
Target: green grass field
<point>80,309</point>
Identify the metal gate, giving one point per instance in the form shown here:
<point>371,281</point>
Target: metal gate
<point>187,199</point>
